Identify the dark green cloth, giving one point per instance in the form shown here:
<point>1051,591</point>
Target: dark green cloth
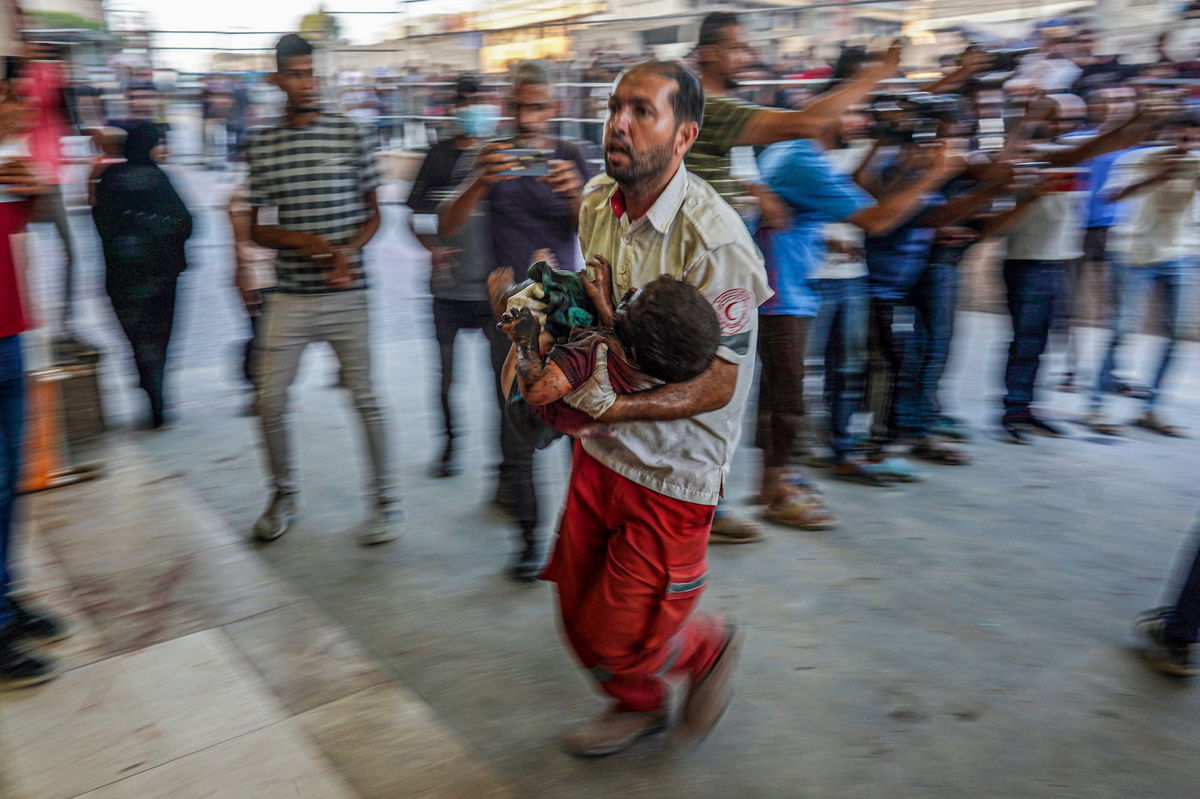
<point>567,303</point>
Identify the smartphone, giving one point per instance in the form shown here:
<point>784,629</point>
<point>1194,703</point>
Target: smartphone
<point>530,163</point>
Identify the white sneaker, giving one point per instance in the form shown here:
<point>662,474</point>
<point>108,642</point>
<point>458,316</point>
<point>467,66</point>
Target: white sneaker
<point>383,525</point>
<point>277,518</point>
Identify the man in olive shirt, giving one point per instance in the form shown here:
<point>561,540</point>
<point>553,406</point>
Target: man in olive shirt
<point>729,122</point>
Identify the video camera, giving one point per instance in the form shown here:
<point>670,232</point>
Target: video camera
<point>1007,59</point>
<point>913,117</point>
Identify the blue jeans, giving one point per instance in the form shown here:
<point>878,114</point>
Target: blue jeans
<point>1132,288</point>
<point>928,349</point>
<point>1034,290</point>
<point>840,331</point>
<point>12,419</point>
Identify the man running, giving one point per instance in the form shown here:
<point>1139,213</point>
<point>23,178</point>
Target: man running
<point>630,556</point>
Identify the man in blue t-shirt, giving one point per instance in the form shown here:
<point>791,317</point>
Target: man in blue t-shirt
<point>802,175</point>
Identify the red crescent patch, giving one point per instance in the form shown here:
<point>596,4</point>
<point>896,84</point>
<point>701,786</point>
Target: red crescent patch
<point>734,308</point>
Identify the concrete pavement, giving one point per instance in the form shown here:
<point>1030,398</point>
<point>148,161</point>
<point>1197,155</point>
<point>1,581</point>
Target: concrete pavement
<point>964,636</point>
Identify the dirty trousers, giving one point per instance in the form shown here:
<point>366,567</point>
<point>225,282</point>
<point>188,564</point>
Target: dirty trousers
<point>630,568</point>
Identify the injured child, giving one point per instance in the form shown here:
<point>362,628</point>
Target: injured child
<point>572,345</point>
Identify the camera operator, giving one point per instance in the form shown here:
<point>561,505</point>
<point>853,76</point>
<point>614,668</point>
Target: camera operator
<point>525,214</point>
<point>1150,251</point>
<point>1044,241</point>
<point>907,270</point>
<point>1106,108</point>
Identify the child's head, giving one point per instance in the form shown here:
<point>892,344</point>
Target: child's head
<point>669,330</point>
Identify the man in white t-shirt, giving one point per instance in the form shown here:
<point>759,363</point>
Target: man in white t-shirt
<point>1149,251</point>
<point>1044,241</point>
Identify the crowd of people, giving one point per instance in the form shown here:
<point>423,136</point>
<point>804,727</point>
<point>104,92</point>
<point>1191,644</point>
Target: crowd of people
<point>825,231</point>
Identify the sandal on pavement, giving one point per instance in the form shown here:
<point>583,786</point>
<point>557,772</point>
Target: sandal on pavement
<point>802,512</point>
<point>1150,421</point>
<point>1096,422</point>
<point>857,472</point>
<point>728,528</point>
<point>934,451</point>
<point>799,481</point>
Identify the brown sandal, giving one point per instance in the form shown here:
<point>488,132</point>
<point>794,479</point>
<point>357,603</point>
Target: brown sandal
<point>802,512</point>
<point>1150,421</point>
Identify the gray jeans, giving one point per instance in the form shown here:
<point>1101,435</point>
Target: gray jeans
<point>289,323</point>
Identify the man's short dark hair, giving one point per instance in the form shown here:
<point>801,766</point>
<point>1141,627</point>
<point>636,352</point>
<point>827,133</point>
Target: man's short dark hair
<point>464,85</point>
<point>670,329</point>
<point>688,100</point>
<point>291,45</point>
<point>712,25</point>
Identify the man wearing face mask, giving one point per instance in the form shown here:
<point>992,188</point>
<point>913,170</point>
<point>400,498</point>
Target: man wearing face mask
<point>524,214</point>
<point>459,263</point>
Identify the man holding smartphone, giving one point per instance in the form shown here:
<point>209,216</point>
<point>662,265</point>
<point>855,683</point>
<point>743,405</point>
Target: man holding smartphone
<point>526,213</point>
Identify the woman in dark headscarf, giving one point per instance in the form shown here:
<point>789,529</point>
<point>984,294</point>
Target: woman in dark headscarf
<point>143,225</point>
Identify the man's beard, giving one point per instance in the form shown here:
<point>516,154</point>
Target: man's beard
<point>642,169</point>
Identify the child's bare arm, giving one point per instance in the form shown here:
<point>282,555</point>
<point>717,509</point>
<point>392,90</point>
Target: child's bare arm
<point>541,381</point>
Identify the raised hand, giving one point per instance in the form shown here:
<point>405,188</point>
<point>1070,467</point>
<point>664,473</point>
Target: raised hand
<point>597,282</point>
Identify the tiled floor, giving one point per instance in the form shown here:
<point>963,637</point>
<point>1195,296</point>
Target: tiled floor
<point>193,671</point>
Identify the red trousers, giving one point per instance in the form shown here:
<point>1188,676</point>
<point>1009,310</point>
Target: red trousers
<point>630,568</point>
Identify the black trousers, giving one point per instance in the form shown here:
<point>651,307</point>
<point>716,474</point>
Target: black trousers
<point>1183,624</point>
<point>516,452</point>
<point>146,310</point>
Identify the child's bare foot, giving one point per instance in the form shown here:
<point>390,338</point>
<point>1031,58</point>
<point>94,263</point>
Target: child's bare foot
<point>499,289</point>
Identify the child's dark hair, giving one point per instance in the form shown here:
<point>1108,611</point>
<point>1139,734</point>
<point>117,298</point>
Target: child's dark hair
<point>670,330</point>
<point>291,45</point>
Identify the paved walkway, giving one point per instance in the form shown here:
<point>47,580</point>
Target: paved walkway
<point>961,637</point>
<point>196,671</point>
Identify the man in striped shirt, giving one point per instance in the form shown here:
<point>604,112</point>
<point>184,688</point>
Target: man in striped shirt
<point>312,194</point>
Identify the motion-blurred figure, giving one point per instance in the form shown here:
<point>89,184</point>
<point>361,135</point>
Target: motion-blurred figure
<point>525,214</point>
<point>313,180</point>
<point>1169,633</point>
<point>253,275</point>
<point>143,226</point>
<point>1150,252</point>
<point>19,186</point>
<point>459,264</point>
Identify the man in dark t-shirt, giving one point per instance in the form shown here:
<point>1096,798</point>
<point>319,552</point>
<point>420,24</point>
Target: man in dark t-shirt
<point>459,264</point>
<point>525,214</point>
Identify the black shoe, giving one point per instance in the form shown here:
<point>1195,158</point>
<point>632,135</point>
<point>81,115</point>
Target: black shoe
<point>528,564</point>
<point>19,669</point>
<point>1010,431</point>
<point>1164,655</point>
<point>35,627</point>
<point>1038,425</point>
<point>446,465</point>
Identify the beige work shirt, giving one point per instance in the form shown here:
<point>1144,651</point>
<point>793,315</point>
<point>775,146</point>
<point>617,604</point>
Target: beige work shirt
<point>691,234</point>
